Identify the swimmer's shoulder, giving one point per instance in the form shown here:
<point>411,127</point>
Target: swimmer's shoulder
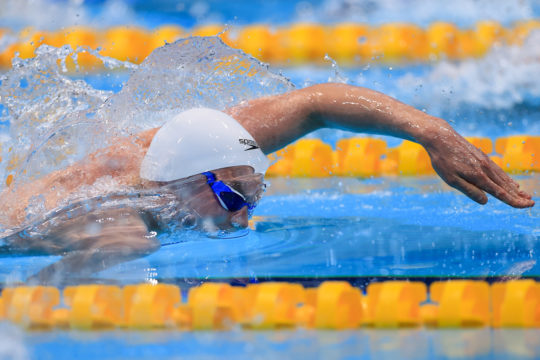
<point>144,138</point>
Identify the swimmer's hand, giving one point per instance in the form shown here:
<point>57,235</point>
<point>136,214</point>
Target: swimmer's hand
<point>467,169</point>
<point>276,121</point>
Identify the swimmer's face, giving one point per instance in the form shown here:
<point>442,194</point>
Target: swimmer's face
<point>211,215</point>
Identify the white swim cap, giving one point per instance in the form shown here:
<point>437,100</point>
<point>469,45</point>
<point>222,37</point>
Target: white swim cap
<point>200,140</point>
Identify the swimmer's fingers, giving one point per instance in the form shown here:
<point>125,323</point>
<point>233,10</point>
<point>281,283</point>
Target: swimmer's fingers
<point>499,183</point>
<point>452,174</point>
<point>469,189</point>
<point>502,179</point>
<point>468,169</point>
<point>485,183</point>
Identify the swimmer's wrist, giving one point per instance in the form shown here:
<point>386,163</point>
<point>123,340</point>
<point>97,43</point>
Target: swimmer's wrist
<point>431,131</point>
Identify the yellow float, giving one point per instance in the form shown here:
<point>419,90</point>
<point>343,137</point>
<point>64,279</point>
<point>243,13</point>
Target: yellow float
<point>351,44</point>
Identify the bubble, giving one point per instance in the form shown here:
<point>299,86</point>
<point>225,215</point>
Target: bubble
<point>188,222</point>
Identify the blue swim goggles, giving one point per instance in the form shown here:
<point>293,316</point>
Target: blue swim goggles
<point>230,199</point>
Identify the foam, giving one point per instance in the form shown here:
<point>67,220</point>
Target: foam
<point>504,78</point>
<point>51,121</point>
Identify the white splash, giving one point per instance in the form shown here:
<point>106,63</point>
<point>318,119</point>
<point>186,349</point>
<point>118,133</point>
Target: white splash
<point>43,109</point>
<point>462,12</point>
<point>337,75</point>
<point>502,79</point>
<point>192,72</point>
<point>49,121</point>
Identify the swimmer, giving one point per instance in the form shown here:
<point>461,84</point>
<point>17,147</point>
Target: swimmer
<point>204,170</point>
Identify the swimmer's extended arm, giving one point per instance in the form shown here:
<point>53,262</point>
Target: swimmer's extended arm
<point>279,120</point>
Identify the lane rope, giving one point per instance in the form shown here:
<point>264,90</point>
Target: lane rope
<point>334,305</point>
<point>351,44</point>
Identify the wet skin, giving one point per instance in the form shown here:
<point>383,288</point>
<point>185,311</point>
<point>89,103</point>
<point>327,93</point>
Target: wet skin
<point>274,122</point>
<point>200,199</point>
<point>278,120</point>
<point>105,237</point>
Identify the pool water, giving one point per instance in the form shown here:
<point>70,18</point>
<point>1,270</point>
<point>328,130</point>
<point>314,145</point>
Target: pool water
<point>344,228</point>
<point>415,344</point>
<point>307,231</point>
<point>310,230</point>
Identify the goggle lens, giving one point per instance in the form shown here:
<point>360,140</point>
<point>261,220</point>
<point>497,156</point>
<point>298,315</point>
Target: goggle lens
<point>233,202</point>
<point>229,199</point>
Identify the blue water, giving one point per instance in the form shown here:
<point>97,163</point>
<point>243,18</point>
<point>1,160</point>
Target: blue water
<point>417,344</point>
<point>308,230</point>
<point>342,227</point>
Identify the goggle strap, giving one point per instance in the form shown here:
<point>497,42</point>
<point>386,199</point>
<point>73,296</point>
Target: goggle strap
<point>210,177</point>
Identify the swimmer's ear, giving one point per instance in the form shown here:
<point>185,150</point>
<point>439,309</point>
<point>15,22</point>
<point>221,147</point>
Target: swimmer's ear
<point>124,237</point>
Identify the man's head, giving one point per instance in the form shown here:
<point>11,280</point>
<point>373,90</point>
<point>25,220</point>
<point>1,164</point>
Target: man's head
<point>200,140</point>
<point>190,147</point>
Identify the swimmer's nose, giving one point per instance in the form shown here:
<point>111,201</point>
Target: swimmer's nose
<point>240,218</point>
